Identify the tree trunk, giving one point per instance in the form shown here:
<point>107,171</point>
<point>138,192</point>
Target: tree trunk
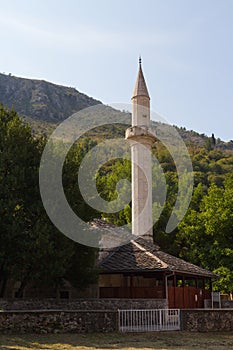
<point>20,291</point>
<point>3,286</point>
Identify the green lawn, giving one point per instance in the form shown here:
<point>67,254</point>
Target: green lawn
<point>143,341</point>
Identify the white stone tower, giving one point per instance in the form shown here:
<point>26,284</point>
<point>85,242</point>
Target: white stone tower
<point>141,138</point>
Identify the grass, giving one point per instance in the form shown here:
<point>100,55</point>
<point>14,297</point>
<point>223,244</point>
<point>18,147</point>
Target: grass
<point>142,341</point>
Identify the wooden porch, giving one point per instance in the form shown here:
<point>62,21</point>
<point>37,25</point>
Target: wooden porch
<point>182,292</point>
<point>178,297</point>
<point>187,297</point>
<point>132,292</point>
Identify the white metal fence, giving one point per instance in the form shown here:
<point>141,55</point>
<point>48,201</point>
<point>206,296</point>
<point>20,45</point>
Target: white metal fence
<point>149,320</point>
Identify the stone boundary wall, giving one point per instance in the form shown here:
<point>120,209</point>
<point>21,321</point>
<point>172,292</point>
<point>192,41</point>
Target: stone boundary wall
<point>207,320</point>
<point>54,321</point>
<point>227,304</point>
<point>84,321</point>
<point>82,304</point>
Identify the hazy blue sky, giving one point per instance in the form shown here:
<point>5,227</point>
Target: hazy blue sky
<point>186,47</point>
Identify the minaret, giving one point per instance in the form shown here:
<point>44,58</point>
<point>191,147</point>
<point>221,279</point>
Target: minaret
<point>141,138</point>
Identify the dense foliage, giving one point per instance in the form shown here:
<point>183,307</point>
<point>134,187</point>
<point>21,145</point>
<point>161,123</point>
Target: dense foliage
<point>32,250</point>
<point>205,235</point>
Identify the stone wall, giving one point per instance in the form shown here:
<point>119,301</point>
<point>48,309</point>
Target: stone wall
<point>80,321</point>
<point>82,304</point>
<point>202,320</point>
<point>227,304</point>
<point>48,321</point>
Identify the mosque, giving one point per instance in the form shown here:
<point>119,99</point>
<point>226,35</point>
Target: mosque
<point>139,269</point>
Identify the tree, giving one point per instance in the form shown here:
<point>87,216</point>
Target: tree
<point>206,237</point>
<point>107,179</point>
<point>18,163</point>
<point>31,248</point>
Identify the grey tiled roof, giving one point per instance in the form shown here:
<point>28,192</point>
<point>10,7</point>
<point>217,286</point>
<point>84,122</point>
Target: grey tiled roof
<point>142,255</point>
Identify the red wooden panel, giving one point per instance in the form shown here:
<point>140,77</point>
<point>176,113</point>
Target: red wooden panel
<point>133,292</point>
<point>187,297</point>
<point>148,292</point>
<point>171,297</point>
<point>178,297</point>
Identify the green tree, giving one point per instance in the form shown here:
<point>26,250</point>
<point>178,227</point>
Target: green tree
<point>31,248</point>
<point>19,160</point>
<point>107,179</point>
<point>205,235</point>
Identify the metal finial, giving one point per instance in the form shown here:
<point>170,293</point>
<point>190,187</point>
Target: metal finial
<point>140,60</point>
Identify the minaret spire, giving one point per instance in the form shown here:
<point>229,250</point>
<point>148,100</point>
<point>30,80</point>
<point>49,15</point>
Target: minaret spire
<point>141,138</point>
<point>140,60</point>
<point>140,88</point>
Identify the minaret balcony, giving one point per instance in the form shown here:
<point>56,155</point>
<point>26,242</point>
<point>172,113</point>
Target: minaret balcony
<point>140,134</point>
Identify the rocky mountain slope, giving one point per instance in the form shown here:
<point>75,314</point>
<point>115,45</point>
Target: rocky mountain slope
<point>44,105</point>
<point>41,100</point>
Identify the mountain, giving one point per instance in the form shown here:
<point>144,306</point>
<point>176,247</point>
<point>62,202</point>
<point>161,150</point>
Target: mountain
<point>44,105</point>
<point>39,100</point>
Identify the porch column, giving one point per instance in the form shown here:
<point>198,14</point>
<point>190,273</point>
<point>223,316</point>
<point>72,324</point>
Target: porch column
<point>183,286</point>
<point>131,286</point>
<point>165,288</point>
<point>174,291</point>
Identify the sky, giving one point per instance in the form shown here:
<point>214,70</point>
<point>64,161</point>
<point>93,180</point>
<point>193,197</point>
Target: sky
<point>186,48</point>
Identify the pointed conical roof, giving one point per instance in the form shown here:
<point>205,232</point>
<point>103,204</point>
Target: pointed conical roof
<point>140,88</point>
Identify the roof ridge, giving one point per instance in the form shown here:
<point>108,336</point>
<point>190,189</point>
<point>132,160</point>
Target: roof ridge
<point>187,263</point>
<point>150,254</point>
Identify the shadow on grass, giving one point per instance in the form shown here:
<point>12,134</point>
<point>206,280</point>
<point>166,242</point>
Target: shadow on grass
<point>155,340</point>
